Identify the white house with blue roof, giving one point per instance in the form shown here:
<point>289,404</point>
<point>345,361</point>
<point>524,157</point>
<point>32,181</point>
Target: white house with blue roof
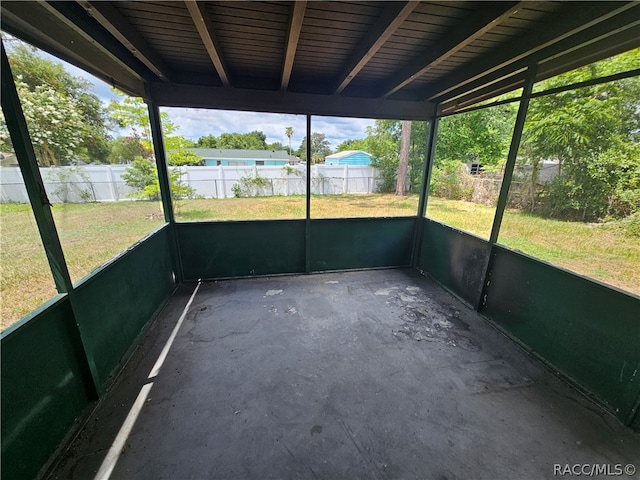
<point>349,157</point>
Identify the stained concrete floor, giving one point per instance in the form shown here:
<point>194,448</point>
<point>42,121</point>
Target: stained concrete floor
<point>361,375</point>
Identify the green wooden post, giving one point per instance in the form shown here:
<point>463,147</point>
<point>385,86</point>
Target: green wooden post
<point>429,155</point>
<point>165,187</point>
<point>26,156</point>
<point>307,236</point>
<point>161,162</point>
<point>508,175</point>
<point>513,153</point>
<point>21,140</point>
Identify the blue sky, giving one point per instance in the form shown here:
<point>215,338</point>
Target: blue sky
<point>194,123</point>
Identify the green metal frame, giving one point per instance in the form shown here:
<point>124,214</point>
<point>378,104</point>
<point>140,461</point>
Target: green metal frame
<point>82,340</point>
<point>307,232</point>
<point>21,140</point>
<point>64,355</point>
<point>503,197</point>
<point>165,186</point>
<point>427,168</point>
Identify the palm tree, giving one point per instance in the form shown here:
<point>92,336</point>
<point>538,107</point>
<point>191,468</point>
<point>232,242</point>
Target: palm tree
<point>289,133</point>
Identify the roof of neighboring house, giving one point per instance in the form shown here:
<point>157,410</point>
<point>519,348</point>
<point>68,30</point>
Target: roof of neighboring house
<point>233,154</point>
<point>345,153</point>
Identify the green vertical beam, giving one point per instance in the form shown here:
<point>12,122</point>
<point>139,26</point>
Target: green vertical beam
<point>307,235</point>
<point>508,175</point>
<point>26,156</point>
<point>165,187</point>
<point>23,148</point>
<point>161,162</point>
<point>513,153</point>
<point>429,156</point>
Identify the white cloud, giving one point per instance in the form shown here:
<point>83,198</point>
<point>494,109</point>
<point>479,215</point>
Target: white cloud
<point>194,123</point>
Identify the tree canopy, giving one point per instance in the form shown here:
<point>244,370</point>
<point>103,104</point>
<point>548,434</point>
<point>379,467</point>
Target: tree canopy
<point>320,148</point>
<point>383,142</point>
<point>255,140</point>
<point>65,120</point>
<point>593,133</point>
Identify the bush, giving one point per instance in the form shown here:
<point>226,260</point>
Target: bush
<point>183,157</point>
<point>252,185</point>
<point>449,180</point>
<point>143,176</point>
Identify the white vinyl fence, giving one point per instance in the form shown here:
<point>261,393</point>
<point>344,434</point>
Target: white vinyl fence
<point>104,183</point>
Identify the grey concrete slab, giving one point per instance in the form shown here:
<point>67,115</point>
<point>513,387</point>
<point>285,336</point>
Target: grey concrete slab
<point>360,375</point>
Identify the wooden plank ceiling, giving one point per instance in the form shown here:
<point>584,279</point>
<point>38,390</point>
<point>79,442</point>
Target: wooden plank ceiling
<point>356,58</point>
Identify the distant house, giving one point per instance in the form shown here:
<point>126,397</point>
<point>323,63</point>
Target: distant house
<point>349,157</point>
<point>236,157</point>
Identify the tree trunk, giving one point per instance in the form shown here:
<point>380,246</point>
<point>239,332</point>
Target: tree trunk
<point>405,140</point>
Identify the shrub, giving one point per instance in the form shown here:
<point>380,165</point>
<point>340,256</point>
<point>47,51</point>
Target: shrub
<point>252,185</point>
<point>142,175</point>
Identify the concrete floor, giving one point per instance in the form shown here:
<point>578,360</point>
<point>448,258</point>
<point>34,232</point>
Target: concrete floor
<point>360,375</point>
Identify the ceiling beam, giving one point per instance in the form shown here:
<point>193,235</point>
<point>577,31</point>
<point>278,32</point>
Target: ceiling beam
<point>392,17</point>
<point>76,19</point>
<point>620,42</point>
<point>202,22</point>
<point>32,23</point>
<point>505,85</point>
<point>295,26</point>
<point>117,25</point>
<point>565,32</point>
<point>454,40</point>
<point>598,38</point>
<point>177,95</point>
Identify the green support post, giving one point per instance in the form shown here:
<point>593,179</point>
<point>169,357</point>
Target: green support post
<point>165,186</point>
<point>513,153</point>
<point>429,155</point>
<point>508,175</point>
<point>307,236</point>
<point>25,154</point>
<point>21,140</point>
<point>161,162</point>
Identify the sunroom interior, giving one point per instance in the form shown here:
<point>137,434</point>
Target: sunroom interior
<point>90,347</point>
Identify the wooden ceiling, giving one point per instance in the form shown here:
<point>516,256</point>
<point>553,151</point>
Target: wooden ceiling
<point>379,59</point>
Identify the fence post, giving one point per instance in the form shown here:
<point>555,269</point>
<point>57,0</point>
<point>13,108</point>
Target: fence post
<point>345,179</point>
<point>113,188</point>
<point>186,172</point>
<point>224,187</point>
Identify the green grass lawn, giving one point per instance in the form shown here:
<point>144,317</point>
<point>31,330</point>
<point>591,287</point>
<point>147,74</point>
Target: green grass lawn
<point>93,233</point>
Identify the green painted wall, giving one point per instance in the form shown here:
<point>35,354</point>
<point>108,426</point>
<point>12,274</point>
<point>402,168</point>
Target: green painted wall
<point>43,389</point>
<point>240,249</point>
<point>114,305</point>
<point>351,243</point>
<point>453,258</point>
<point>587,331</point>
